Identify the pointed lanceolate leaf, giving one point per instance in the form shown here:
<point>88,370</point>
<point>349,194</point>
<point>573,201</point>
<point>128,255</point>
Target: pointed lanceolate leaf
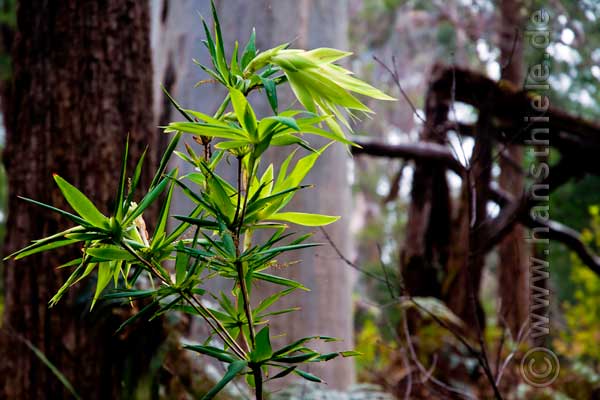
<point>271,92</point>
<point>109,253</point>
<point>72,217</point>
<point>304,218</point>
<point>279,280</point>
<point>135,180</point>
<point>263,349</point>
<point>243,111</point>
<point>119,203</point>
<point>213,352</point>
<point>81,204</point>
<point>181,264</point>
<point>105,270</point>
<point>164,161</point>
<point>149,198</point>
<point>308,376</point>
<point>250,50</point>
<point>235,368</point>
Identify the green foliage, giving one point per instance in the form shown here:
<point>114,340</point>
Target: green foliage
<point>580,338</point>
<point>119,250</point>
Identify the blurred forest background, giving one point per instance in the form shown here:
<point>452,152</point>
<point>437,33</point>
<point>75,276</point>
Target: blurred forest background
<point>429,274</point>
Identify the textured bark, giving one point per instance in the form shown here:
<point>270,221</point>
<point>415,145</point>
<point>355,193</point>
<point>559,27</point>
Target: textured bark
<point>463,281</point>
<point>327,309</point>
<point>513,253</point>
<point>82,82</point>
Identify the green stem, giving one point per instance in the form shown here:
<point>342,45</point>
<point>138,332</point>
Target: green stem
<point>241,212</point>
<point>222,107</point>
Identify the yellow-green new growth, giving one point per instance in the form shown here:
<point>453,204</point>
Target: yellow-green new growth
<point>319,84</point>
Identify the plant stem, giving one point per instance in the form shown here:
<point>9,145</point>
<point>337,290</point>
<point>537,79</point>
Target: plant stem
<point>225,336</point>
<point>246,300</point>
<point>222,107</point>
<point>258,382</point>
<point>241,212</point>
<point>199,307</point>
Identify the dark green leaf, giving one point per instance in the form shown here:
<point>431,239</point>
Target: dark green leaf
<point>263,349</point>
<point>72,217</point>
<point>278,280</point>
<point>308,376</point>
<point>271,92</point>
<point>213,352</point>
<point>234,369</point>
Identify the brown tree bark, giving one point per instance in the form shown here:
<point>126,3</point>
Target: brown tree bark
<point>82,81</point>
<point>426,248</point>
<point>513,253</point>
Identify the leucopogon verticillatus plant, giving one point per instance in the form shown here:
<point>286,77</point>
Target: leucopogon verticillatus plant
<point>118,248</point>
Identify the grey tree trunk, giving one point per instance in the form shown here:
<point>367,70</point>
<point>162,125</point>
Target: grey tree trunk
<point>327,309</point>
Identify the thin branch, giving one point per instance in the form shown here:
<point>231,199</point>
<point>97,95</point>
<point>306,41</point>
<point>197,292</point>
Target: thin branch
<point>394,73</point>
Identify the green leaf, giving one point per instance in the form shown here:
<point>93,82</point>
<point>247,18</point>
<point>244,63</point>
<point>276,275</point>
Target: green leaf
<point>176,105</point>
<point>181,263</point>
<point>81,204</point>
<point>130,294</point>
<point>63,379</point>
<point>250,50</point>
<point>304,219</point>
<point>75,276</point>
<point>278,250</point>
<point>109,253</point>
<point>72,217</point>
<point>271,92</point>
<point>269,301</point>
<point>213,352</point>
<point>164,214</point>
<point>199,222</point>
<point>308,376</point>
<point>327,55</point>
<point>279,280</point>
<point>210,130</point>
<point>298,358</point>
<point>137,173</point>
<point>149,198</point>
<point>263,349</point>
<point>243,111</point>
<point>105,272</point>
<point>283,373</point>
<point>119,202</point>
<point>234,369</point>
<point>350,353</point>
<point>144,311</point>
<point>183,226</point>
<point>164,161</point>
<point>41,247</point>
<point>298,344</point>
<point>221,62</point>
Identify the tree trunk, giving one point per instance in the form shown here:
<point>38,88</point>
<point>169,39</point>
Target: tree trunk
<point>82,82</point>
<point>513,253</point>
<point>327,309</point>
<point>427,244</point>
